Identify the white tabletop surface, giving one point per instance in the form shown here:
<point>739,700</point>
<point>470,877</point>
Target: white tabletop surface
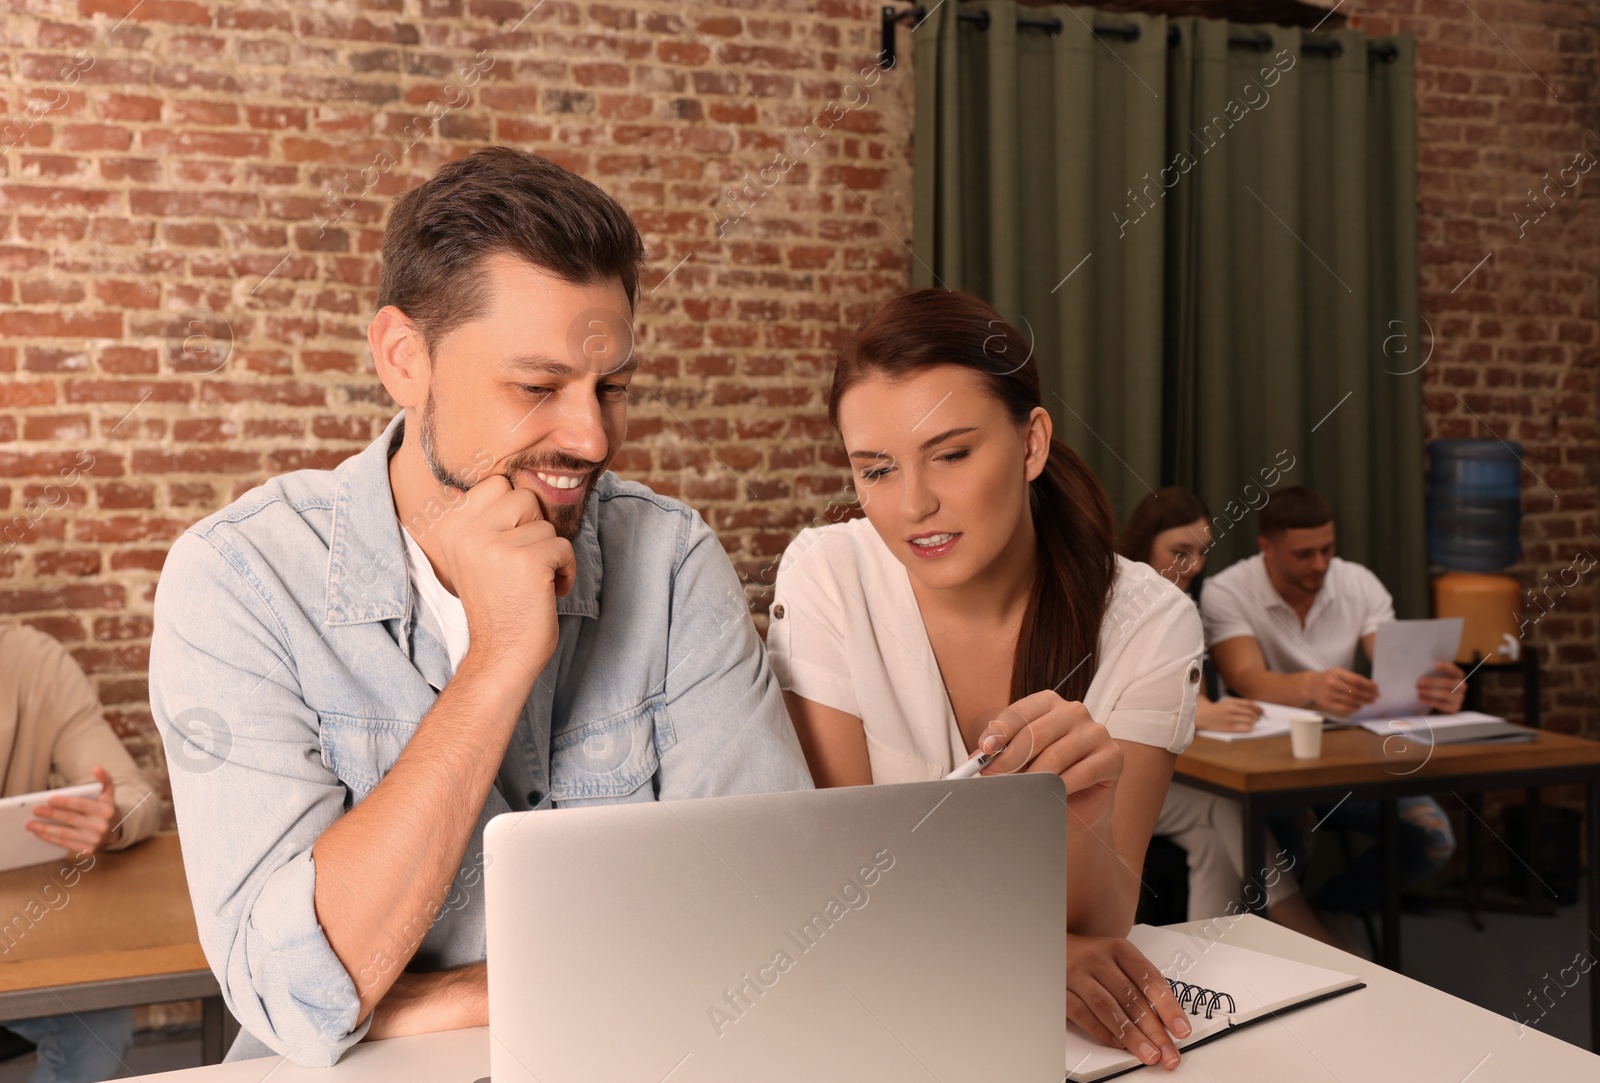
<point>1395,1029</point>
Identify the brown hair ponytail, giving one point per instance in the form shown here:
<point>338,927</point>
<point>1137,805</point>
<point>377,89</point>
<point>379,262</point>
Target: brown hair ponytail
<point>1060,635</point>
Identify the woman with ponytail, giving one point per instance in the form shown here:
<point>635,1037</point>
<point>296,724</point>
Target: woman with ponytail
<point>980,604</point>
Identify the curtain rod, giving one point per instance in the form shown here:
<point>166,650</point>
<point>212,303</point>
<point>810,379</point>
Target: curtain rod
<point>1262,42</point>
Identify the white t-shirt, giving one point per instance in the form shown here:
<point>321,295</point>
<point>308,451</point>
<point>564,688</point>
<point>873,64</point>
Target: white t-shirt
<point>846,632</point>
<point>448,614</point>
<point>1241,601</point>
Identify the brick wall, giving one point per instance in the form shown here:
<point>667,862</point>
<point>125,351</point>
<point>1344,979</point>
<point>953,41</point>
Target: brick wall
<point>193,193</point>
<point>1507,96</point>
<point>191,214</point>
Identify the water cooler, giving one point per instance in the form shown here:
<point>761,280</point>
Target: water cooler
<point>1474,532</point>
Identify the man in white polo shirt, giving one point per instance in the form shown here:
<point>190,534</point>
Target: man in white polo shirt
<point>1282,626</point>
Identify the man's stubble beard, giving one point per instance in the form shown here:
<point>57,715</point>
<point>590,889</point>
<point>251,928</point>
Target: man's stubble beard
<point>566,518</point>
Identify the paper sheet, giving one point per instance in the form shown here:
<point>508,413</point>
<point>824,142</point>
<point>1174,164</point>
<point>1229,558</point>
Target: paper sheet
<point>1405,651</point>
<point>1274,722</point>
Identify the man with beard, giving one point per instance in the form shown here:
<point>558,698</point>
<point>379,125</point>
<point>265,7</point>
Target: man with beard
<point>354,669</point>
<point>1283,627</point>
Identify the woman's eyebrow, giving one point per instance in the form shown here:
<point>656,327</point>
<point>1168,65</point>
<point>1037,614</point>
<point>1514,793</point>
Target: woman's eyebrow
<point>926,444</point>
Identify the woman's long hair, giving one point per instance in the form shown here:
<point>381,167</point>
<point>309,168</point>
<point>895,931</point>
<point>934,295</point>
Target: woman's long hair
<point>1071,512</point>
<point>1163,509</point>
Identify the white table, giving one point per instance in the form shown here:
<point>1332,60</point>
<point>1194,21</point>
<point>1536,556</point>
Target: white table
<point>1395,1029</point>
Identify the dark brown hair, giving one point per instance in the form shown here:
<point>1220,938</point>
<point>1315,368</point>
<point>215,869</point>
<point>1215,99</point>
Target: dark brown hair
<point>1161,510</point>
<point>1294,508</point>
<point>499,200</point>
<point>1072,515</point>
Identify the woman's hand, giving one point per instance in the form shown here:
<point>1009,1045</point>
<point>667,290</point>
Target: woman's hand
<point>1044,732</point>
<point>79,825</point>
<point>1119,998</point>
<point>1228,714</point>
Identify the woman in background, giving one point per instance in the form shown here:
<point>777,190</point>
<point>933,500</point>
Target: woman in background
<point>1170,530</point>
<point>53,733</point>
<point>980,604</point>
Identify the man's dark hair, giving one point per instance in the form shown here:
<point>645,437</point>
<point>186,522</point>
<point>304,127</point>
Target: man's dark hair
<point>499,199</point>
<point>1294,508</point>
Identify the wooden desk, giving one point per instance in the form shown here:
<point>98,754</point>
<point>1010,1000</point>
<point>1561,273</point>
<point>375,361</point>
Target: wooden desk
<point>1394,1031</point>
<point>107,931</point>
<point>1360,766</point>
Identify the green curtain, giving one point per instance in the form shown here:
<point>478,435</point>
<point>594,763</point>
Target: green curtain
<point>1213,246</point>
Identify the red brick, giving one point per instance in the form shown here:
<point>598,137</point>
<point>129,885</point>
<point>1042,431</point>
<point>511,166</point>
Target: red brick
<point>27,393</point>
<point>65,596</point>
<point>167,11</point>
<point>122,495</point>
<point>208,461</point>
<point>193,204</point>
<point>128,294</point>
<point>55,427</point>
<point>148,560</point>
<point>96,137</point>
<point>48,290</point>
<point>61,324</point>
<point>205,114</point>
<point>129,107</point>
<point>79,562</point>
<point>128,528</point>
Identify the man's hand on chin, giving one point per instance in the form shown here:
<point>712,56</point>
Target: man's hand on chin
<point>440,1000</point>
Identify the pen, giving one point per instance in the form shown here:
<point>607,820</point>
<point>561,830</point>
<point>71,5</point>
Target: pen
<point>975,764</point>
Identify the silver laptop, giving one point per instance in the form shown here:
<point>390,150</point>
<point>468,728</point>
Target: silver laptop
<point>908,932</point>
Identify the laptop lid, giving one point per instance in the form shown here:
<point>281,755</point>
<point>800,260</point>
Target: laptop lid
<point>912,931</point>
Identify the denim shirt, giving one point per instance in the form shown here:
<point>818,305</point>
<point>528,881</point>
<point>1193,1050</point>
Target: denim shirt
<point>288,669</point>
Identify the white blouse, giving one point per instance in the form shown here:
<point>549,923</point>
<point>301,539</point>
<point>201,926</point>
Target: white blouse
<point>845,631</point>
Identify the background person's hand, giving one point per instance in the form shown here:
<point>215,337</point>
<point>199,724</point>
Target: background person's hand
<point>80,825</point>
<point>1228,714</point>
<point>1044,732</point>
<point>1119,998</point>
<point>1444,688</point>
<point>507,565</point>
<point>1337,691</point>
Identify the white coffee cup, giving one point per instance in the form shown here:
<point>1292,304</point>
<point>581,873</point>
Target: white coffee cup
<point>1305,736</point>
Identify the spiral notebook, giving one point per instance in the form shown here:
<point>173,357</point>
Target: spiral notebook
<point>1222,987</point>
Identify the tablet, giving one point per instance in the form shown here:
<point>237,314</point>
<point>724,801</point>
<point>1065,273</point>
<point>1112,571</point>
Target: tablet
<point>20,847</point>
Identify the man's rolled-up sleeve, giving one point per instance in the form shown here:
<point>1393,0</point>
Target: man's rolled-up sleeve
<point>731,731</point>
<point>252,795</point>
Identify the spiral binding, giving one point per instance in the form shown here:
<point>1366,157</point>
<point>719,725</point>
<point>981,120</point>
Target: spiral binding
<point>1195,998</point>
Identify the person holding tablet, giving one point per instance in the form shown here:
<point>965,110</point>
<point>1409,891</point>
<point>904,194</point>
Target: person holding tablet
<point>979,605</point>
<point>53,733</point>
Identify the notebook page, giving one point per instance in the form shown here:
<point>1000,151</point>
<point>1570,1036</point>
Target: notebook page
<point>1255,984</point>
<point>1274,722</point>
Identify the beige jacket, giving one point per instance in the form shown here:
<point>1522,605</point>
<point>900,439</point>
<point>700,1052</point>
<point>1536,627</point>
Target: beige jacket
<point>53,734</point>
